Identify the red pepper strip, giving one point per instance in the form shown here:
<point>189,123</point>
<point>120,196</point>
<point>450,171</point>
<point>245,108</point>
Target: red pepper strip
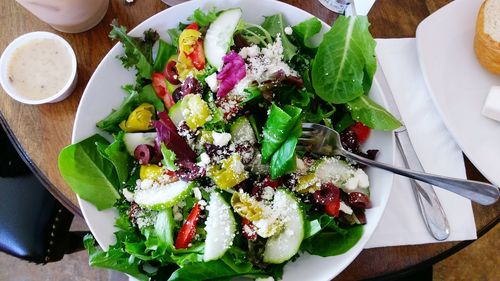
<point>188,229</point>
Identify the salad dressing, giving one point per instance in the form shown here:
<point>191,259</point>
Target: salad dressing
<point>40,68</point>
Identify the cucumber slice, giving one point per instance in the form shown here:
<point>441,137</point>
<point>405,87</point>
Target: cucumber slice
<point>283,246</point>
<point>220,227</point>
<point>220,35</point>
<point>164,196</point>
<point>133,140</point>
<point>241,131</point>
<point>175,113</point>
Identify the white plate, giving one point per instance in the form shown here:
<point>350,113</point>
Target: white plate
<point>103,93</point>
<point>458,84</point>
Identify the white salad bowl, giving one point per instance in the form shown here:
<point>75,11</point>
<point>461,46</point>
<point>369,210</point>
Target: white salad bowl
<point>104,92</point>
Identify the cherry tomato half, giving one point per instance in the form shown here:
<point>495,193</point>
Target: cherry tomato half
<point>193,25</point>
<point>188,229</point>
<point>361,131</point>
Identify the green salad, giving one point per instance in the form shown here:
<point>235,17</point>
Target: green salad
<point>203,168</point>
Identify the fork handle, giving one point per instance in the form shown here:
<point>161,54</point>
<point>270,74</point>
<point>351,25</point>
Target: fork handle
<point>479,192</point>
<point>428,203</point>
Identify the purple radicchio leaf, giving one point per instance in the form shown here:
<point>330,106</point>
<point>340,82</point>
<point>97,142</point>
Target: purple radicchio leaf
<point>167,134</point>
<point>232,72</point>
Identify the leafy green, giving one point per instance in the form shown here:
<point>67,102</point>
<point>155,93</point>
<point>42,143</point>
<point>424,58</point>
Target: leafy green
<point>169,158</point>
<point>306,30</point>
<point>212,270</point>
<point>88,173</point>
<point>345,62</point>
<point>138,51</point>
<point>333,240</point>
<point>118,155</point>
<point>280,124</point>
<point>203,19</point>
<point>165,52</point>
<point>366,111</point>
<point>275,25</point>
<point>133,100</point>
<point>114,259</point>
<point>283,160</point>
<point>174,34</point>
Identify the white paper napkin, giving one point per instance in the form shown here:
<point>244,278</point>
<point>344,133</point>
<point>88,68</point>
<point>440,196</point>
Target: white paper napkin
<point>401,223</point>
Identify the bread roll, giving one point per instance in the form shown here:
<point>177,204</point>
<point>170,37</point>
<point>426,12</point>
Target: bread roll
<point>487,39</point>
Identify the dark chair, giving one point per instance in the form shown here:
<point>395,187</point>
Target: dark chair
<point>34,226</point>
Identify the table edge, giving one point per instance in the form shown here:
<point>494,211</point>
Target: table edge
<point>36,171</point>
<point>396,275</point>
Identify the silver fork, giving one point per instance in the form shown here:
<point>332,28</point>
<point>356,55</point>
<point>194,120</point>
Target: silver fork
<point>321,140</point>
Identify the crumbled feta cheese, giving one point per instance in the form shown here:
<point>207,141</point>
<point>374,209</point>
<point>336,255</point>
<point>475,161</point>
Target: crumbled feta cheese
<point>251,51</point>
<point>264,63</point>
<point>351,184</point>
<point>204,160</point>
<point>197,193</point>
<point>212,82</point>
<point>344,208</point>
<point>221,139</point>
<point>288,30</point>
<point>267,193</point>
<point>363,179</point>
<point>129,196</point>
<point>202,202</point>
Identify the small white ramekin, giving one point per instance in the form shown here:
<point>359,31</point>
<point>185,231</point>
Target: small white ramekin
<point>21,40</point>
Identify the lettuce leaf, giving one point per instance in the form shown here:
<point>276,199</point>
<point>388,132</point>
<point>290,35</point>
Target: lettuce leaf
<point>371,114</point>
<point>133,100</point>
<point>345,63</point>
<point>305,30</point>
<point>114,258</point>
<point>275,25</point>
<point>332,240</point>
<point>138,51</point>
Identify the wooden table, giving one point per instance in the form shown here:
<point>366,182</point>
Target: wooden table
<point>40,132</point>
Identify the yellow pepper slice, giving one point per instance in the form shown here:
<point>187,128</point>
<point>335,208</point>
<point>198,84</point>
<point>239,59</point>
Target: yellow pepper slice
<point>230,174</point>
<point>187,39</point>
<point>196,111</point>
<point>139,119</point>
<point>246,206</point>
<point>150,172</point>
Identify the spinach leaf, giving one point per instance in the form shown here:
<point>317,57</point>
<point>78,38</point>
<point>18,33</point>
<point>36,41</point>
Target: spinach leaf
<point>278,128</point>
<point>118,155</point>
<point>366,111</point>
<point>275,25</point>
<point>133,100</point>
<point>284,160</point>
<point>169,158</point>
<point>203,19</point>
<point>332,241</point>
<point>307,29</point>
<point>165,52</point>
<point>90,175</point>
<point>114,258</point>
<point>314,226</point>
<point>138,51</point>
<point>345,62</point>
<point>217,270</point>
